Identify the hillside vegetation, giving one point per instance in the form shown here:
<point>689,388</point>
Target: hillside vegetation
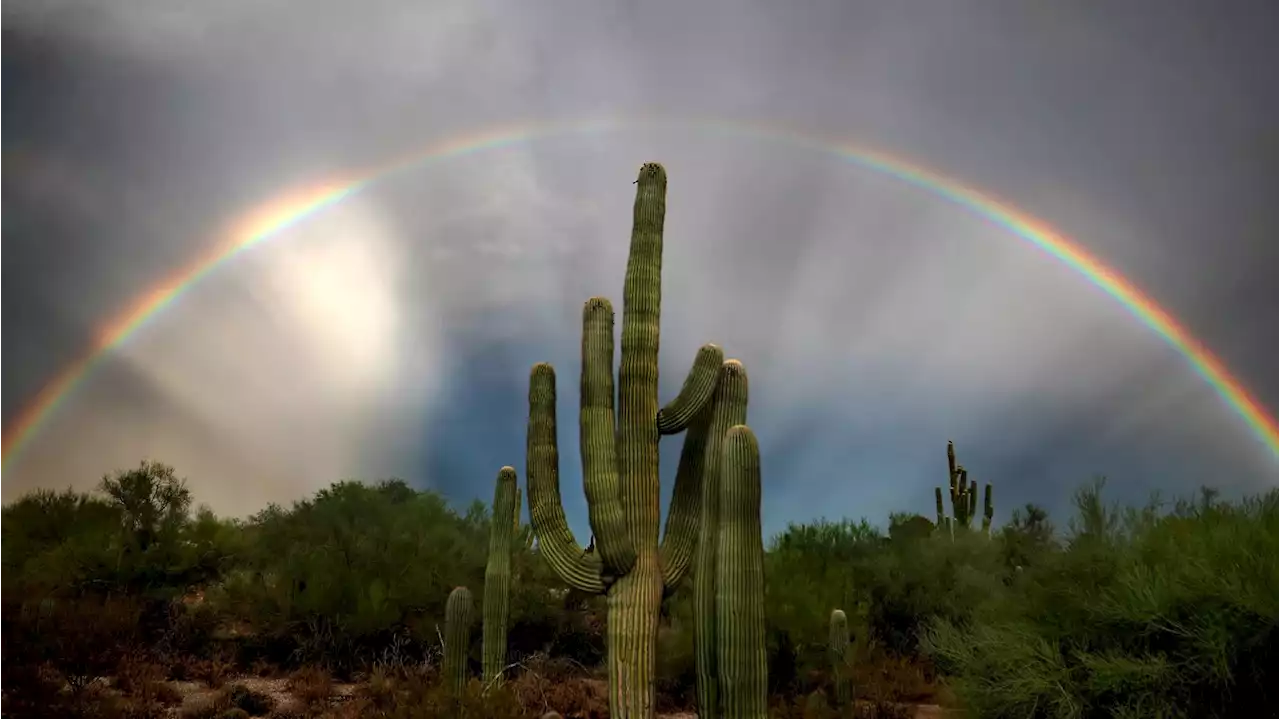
<point>126,602</point>
<point>1159,611</point>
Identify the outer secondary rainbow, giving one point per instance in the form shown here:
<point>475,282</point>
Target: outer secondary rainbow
<point>269,219</point>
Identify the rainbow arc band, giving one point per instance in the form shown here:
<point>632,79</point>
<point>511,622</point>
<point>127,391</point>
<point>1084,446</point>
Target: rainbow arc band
<point>270,218</point>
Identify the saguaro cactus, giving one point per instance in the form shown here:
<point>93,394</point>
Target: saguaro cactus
<point>964,497</point>
<point>707,435</point>
<point>457,637</point>
<point>742,661</point>
<point>497,575</point>
<point>838,648</point>
<point>988,510</point>
<point>620,463</point>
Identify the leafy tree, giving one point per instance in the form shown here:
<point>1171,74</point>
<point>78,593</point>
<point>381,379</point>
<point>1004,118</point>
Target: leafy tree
<point>153,501</point>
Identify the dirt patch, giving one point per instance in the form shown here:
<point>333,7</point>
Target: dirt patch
<point>198,695</point>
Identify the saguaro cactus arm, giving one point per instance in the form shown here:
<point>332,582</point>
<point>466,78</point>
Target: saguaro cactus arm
<point>694,502</point>
<point>578,569</point>
<point>515,511</point>
<point>699,387</point>
<point>968,497</point>
<point>680,535</point>
<point>597,438</point>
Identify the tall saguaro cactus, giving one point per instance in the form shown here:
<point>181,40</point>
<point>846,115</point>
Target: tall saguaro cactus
<point>620,462</point>
<point>497,574</point>
<point>964,497</point>
<point>457,637</point>
<point>838,649</point>
<point>742,661</point>
<point>707,435</point>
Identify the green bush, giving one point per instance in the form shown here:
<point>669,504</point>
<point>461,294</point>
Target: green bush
<point>1142,613</point>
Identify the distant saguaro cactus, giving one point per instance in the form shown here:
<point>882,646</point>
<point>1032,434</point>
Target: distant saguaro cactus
<point>838,648</point>
<point>457,637</point>
<point>964,497</point>
<point>620,462</point>
<point>497,575</point>
<point>988,510</point>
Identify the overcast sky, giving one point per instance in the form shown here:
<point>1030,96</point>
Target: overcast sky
<point>392,333</point>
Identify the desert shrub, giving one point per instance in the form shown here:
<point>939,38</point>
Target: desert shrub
<point>911,584</point>
<point>312,686</point>
<point>812,569</point>
<point>338,575</point>
<point>1144,613</point>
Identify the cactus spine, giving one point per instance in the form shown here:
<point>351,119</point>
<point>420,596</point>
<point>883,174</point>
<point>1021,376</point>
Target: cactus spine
<point>497,575</point>
<point>838,647</point>
<point>704,445</point>
<point>457,637</point>
<point>964,497</point>
<point>741,659</point>
<point>620,462</point>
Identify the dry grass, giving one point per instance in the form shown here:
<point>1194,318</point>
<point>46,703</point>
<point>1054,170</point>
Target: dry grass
<point>313,686</point>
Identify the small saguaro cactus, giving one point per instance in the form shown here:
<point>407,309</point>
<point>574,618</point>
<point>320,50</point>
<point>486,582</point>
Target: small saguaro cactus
<point>838,649</point>
<point>457,637</point>
<point>497,575</point>
<point>620,462</point>
<point>964,497</point>
<point>742,661</point>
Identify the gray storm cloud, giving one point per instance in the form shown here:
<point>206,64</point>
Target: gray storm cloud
<point>874,316</point>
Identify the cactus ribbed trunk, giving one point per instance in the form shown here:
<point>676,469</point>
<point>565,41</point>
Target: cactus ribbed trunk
<point>497,575</point>
<point>742,661</point>
<point>620,462</point>
<point>728,410</point>
<point>838,647</point>
<point>457,637</point>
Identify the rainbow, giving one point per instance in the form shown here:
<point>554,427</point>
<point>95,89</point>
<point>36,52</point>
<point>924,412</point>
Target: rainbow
<point>271,218</point>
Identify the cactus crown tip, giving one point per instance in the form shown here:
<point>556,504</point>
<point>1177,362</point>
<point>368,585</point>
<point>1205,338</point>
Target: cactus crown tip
<point>507,469</point>
<point>733,368</point>
<point>653,172</point>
